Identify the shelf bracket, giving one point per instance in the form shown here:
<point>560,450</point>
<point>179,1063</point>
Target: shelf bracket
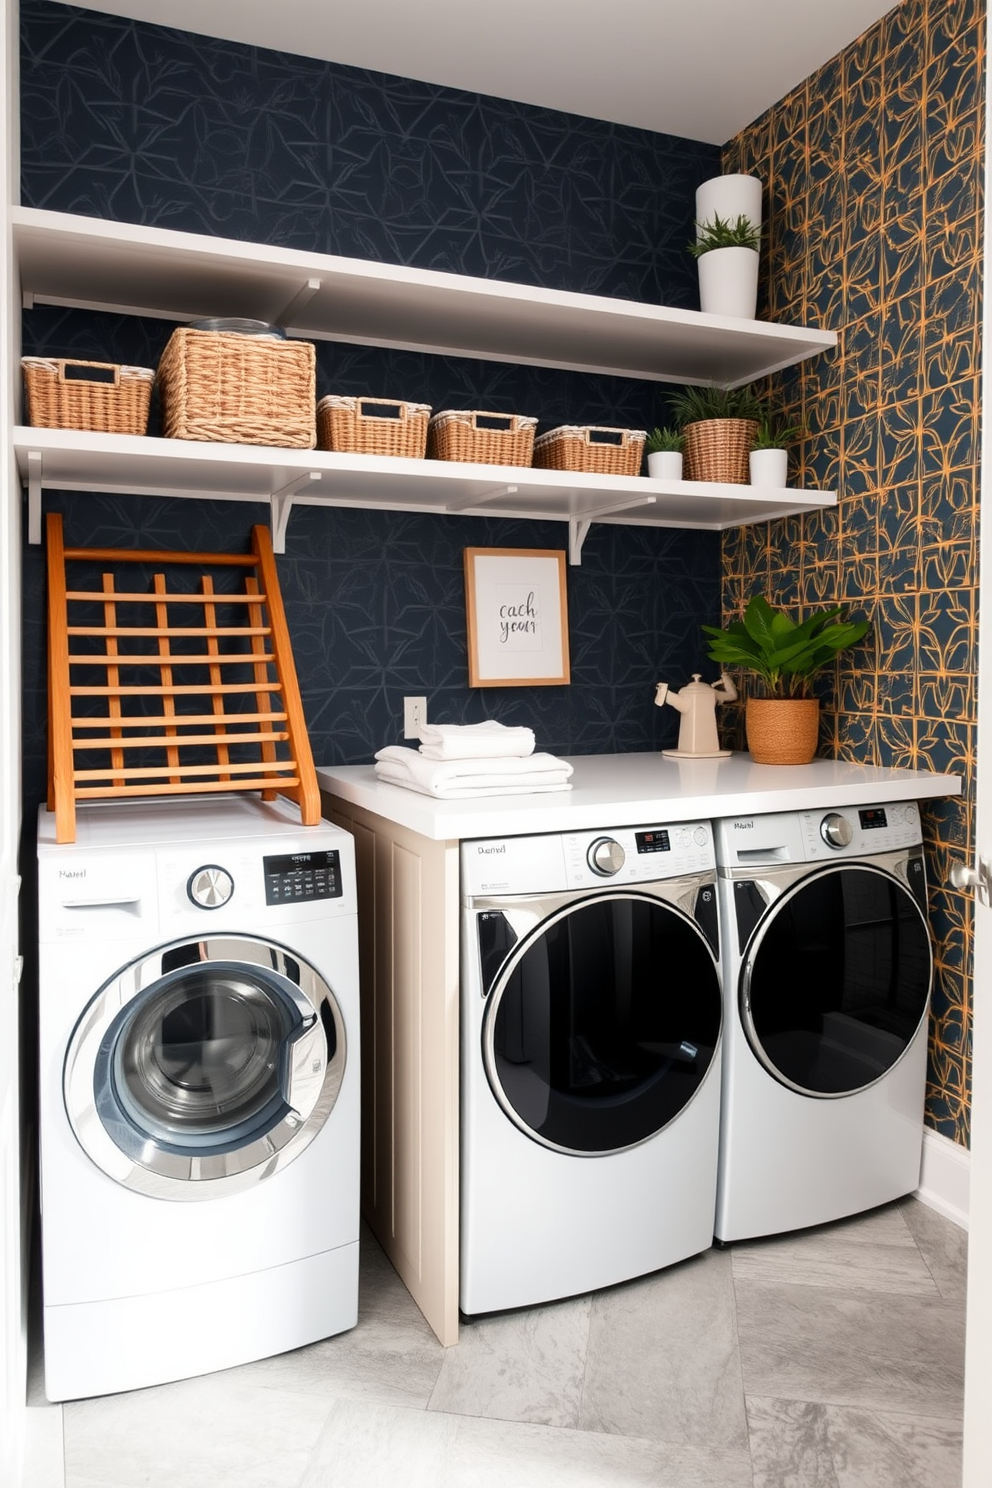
<point>34,496</point>
<point>298,302</point>
<point>578,527</point>
<point>467,503</point>
<point>281,504</point>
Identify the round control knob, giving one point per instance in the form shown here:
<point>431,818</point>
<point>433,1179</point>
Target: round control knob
<point>605,857</point>
<point>836,830</point>
<point>210,887</point>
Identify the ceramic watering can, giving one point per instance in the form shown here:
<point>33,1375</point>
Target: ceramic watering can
<point>697,703</point>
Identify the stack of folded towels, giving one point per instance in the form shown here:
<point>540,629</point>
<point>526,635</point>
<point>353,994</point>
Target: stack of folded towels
<point>460,760</point>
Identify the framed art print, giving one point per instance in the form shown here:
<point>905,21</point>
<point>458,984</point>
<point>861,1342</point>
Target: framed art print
<point>517,617</point>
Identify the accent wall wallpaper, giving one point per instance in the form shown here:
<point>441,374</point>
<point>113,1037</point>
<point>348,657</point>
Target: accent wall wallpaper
<point>874,177</point>
<point>145,124</point>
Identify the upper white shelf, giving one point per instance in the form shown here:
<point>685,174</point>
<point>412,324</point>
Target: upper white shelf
<point>93,264</point>
<point>134,465</point>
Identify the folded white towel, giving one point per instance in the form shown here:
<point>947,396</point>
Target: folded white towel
<point>486,777</point>
<point>489,740</point>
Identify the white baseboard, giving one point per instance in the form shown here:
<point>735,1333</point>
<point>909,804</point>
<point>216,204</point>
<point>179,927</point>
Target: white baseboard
<point>945,1177</point>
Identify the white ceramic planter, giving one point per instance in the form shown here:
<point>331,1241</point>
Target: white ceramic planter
<point>729,197</point>
<point>728,282</point>
<point>665,465</point>
<point>769,467</point>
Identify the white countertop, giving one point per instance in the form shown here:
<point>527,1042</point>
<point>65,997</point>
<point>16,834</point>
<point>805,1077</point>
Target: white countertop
<point>625,790</point>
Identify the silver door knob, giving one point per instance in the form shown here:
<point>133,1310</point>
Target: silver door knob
<point>210,887</point>
<point>836,830</point>
<point>606,857</point>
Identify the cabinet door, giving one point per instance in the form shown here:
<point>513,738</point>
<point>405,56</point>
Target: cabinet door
<point>408,953</point>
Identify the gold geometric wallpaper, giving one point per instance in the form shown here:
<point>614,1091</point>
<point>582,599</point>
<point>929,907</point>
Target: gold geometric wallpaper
<point>873,172</point>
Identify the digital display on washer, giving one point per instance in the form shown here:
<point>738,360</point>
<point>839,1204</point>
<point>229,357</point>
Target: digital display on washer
<point>657,840</point>
<point>873,816</point>
<point>292,878</point>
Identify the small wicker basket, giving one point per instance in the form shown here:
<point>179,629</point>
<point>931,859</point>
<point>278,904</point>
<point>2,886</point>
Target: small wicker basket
<point>63,393</point>
<point>591,447</point>
<point>234,389</point>
<point>372,426</point>
<point>485,438</point>
<point>717,450</point>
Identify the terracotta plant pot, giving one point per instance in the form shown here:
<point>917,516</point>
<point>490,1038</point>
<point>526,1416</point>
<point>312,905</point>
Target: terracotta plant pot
<point>782,731</point>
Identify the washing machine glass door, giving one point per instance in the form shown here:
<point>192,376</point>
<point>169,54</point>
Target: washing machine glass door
<point>602,1023</point>
<point>836,981</point>
<point>206,1063</point>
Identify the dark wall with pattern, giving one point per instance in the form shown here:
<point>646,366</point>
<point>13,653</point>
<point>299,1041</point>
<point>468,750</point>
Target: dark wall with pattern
<point>874,172</point>
<point>144,124</point>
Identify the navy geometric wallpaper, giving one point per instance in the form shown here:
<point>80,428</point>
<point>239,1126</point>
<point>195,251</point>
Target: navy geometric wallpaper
<point>144,124</point>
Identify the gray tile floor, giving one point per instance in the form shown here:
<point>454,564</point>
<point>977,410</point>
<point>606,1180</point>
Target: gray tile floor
<point>827,1359</point>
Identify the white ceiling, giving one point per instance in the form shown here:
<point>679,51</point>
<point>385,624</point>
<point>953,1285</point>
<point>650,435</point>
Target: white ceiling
<point>702,69</point>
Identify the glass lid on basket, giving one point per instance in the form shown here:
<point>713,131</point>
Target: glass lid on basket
<point>239,327</point>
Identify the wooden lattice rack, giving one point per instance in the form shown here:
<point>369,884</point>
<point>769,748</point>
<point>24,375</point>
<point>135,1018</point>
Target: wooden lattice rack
<point>183,687</point>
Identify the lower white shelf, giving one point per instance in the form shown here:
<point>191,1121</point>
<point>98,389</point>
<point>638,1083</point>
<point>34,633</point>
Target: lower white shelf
<point>134,465</point>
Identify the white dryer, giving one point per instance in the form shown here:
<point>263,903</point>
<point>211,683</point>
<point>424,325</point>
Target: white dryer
<point>827,972</point>
<point>199,1089</point>
<point>590,1079</point>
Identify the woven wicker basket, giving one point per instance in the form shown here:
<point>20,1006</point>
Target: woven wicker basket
<point>782,731</point>
<point>233,389</point>
<point>485,438</point>
<point>66,394</point>
<point>590,447</point>
<point>717,450</point>
<point>372,426</point>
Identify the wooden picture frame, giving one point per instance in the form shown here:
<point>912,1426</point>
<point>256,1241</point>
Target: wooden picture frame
<point>515,601</point>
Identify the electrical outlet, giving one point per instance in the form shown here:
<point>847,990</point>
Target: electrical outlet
<point>414,716</point>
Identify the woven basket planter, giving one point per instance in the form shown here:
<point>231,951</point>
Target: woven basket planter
<point>718,449</point>
<point>225,388</point>
<point>590,447</point>
<point>485,438</point>
<point>782,731</point>
<point>372,426</point>
<point>66,394</point>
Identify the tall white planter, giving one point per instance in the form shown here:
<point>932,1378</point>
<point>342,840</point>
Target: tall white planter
<point>729,197</point>
<point>728,282</point>
<point>769,467</point>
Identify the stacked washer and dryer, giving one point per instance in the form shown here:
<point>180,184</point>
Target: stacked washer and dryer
<point>199,1089</point>
<point>642,1075</point>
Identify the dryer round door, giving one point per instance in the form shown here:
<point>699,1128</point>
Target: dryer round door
<point>836,981</point>
<point>204,1066</point>
<point>602,1023</point>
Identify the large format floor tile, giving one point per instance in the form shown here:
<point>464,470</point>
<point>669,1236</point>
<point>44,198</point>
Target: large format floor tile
<point>795,1442</point>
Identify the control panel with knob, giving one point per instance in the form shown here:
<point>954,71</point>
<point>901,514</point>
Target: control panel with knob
<point>210,887</point>
<point>605,856</point>
<point>836,830</point>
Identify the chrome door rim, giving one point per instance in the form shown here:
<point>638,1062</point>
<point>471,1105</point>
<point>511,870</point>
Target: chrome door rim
<point>754,947</point>
<point>145,1166</point>
<point>568,907</point>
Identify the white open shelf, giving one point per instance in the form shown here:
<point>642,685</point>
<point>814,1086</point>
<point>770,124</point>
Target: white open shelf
<point>86,262</point>
<point>133,465</point>
<point>113,266</point>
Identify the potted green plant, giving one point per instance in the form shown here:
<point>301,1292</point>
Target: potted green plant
<point>768,461</point>
<point>664,451</point>
<point>782,727</point>
<point>718,426</point>
<point>727,253</point>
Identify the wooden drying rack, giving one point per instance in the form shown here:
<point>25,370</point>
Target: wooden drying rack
<point>171,691</point>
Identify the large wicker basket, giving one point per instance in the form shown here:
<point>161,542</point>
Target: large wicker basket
<point>590,447</point>
<point>485,438</point>
<point>372,426</point>
<point>63,393</point>
<point>717,450</point>
<point>233,389</point>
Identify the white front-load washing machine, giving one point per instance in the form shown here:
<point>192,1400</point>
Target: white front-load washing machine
<point>199,1089</point>
<point>827,972</point>
<point>590,1076</point>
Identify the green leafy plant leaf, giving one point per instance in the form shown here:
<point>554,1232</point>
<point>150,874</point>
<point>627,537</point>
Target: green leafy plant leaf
<point>784,654</point>
<point>719,232</point>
